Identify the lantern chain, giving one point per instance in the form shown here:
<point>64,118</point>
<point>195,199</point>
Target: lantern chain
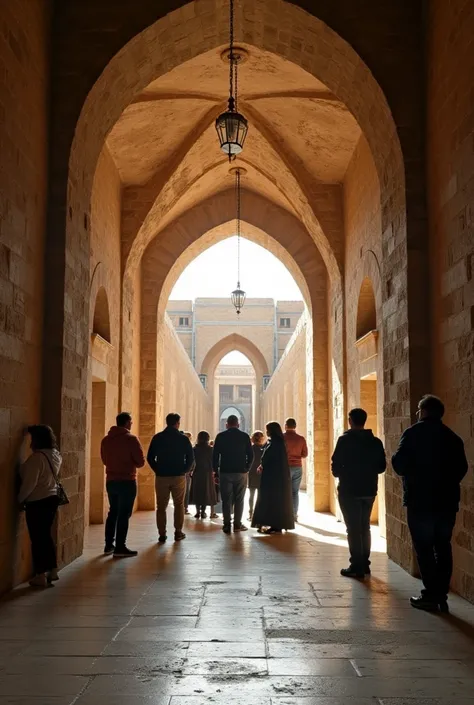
<point>238,225</point>
<point>231,56</point>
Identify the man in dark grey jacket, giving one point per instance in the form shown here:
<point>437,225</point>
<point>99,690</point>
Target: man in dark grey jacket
<point>358,459</point>
<point>431,460</point>
<point>232,458</point>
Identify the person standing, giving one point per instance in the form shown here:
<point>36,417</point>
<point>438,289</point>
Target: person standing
<point>297,449</point>
<point>203,488</point>
<point>39,497</point>
<point>357,461</point>
<point>170,456</point>
<point>432,462</point>
<point>258,442</point>
<point>232,458</point>
<point>189,477</point>
<point>274,508</point>
<point>122,454</point>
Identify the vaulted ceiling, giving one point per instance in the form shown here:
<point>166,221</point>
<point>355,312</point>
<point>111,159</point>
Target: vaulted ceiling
<point>297,130</point>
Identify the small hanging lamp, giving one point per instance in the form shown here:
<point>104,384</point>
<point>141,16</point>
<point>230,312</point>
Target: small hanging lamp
<point>238,295</point>
<point>231,126</point>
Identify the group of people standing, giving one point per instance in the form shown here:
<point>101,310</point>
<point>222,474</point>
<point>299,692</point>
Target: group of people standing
<point>224,469</point>
<point>430,459</point>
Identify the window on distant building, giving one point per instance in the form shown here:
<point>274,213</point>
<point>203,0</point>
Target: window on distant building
<point>183,322</point>
<point>285,322</point>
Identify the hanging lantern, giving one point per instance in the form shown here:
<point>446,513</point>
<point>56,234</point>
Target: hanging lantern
<point>231,126</point>
<point>232,130</point>
<point>238,295</point>
<point>238,298</point>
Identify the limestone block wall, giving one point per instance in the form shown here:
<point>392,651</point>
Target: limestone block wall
<point>103,384</point>
<point>182,393</point>
<point>286,392</point>
<point>24,90</point>
<point>451,204</point>
<point>363,282</point>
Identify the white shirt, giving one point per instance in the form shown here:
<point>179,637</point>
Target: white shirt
<point>37,479</point>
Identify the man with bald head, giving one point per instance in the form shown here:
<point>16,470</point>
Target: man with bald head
<point>232,458</point>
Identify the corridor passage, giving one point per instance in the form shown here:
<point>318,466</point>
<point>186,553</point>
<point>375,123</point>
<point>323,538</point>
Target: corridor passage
<point>238,620</point>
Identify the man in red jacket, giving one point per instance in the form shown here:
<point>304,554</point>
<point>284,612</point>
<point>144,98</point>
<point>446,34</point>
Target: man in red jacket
<point>296,449</point>
<point>121,454</point>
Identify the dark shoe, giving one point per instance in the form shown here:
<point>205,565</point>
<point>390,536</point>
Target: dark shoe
<point>186,511</point>
<point>352,573</point>
<point>162,539</point>
<point>109,549</point>
<point>204,515</point>
<point>422,603</point>
<point>443,607</point>
<point>124,553</point>
<point>179,536</point>
<point>214,516</point>
<point>196,516</point>
<point>226,529</point>
<point>240,528</point>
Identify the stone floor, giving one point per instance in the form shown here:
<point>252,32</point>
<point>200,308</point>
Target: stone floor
<point>240,620</point>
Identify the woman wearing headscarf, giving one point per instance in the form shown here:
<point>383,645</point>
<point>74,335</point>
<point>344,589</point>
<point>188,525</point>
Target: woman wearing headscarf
<point>274,508</point>
<point>258,442</point>
<point>203,489</point>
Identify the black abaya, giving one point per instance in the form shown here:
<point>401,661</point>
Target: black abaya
<point>274,506</point>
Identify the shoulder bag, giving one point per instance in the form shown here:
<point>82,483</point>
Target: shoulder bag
<point>61,492</point>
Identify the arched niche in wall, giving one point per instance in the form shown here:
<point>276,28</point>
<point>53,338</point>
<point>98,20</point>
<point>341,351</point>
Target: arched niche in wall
<point>366,309</point>
<point>101,320</point>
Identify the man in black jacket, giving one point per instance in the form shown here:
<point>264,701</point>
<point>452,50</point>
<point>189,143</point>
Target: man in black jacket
<point>431,460</point>
<point>170,456</point>
<point>357,461</point>
<point>232,458</point>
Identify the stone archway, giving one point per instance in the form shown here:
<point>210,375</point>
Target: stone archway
<point>166,258</point>
<point>348,78</point>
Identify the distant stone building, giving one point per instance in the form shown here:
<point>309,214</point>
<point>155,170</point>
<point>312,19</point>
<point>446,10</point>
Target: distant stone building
<point>209,328</point>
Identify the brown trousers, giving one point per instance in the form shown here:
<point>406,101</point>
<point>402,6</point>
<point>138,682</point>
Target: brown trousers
<point>164,487</point>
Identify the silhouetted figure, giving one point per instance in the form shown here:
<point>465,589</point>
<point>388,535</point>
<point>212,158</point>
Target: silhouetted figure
<point>254,477</point>
<point>357,461</point>
<point>39,497</point>
<point>121,454</point>
<point>297,450</point>
<point>432,462</point>
<point>203,488</point>
<point>274,508</point>
<point>189,476</point>
<point>170,456</point>
<point>232,457</point>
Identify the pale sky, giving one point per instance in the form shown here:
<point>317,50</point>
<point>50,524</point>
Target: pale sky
<point>214,273</point>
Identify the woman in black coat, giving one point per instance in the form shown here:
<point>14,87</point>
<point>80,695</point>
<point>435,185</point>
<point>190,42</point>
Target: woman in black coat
<point>258,442</point>
<point>203,489</point>
<point>274,504</point>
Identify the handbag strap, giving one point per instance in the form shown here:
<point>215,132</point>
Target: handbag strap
<point>51,466</point>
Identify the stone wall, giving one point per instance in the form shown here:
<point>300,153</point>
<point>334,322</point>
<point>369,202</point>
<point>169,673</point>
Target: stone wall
<point>363,297</point>
<point>24,90</point>
<point>451,194</point>
<point>103,392</point>
<point>182,393</point>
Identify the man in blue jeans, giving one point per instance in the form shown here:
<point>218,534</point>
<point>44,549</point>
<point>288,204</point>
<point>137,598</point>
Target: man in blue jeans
<point>296,449</point>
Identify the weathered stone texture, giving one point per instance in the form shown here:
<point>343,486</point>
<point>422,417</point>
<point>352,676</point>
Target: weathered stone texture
<point>24,87</point>
<point>451,192</point>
